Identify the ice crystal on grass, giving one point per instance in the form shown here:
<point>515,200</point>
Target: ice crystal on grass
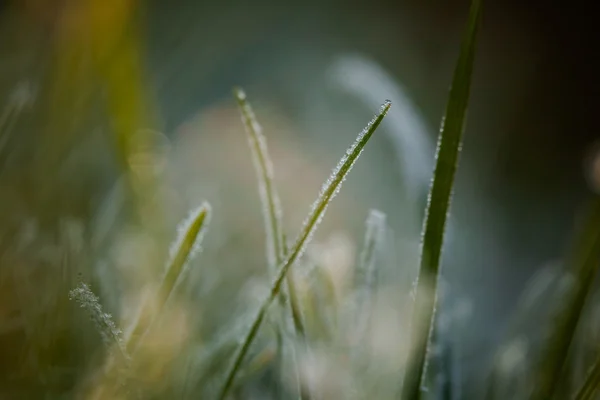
<point>109,332</point>
<point>190,233</point>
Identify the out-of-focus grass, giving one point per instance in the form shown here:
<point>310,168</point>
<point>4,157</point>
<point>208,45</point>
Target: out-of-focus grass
<point>337,337</point>
<point>585,263</point>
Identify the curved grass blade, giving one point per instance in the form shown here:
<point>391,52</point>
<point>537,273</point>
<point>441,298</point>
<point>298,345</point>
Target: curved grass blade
<point>328,192</point>
<point>264,171</point>
<point>585,263</point>
<point>271,204</point>
<point>187,244</point>
<point>276,242</point>
<point>440,193</point>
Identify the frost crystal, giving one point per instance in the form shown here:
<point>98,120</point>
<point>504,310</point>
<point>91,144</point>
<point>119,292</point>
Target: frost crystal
<point>190,232</point>
<point>87,300</point>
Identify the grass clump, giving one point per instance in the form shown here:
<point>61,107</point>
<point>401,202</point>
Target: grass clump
<point>315,315</point>
<point>329,190</point>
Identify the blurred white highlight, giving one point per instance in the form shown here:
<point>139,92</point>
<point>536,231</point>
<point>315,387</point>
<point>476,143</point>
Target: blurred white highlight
<point>407,131</point>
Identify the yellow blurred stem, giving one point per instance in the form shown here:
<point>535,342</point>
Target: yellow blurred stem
<point>98,48</point>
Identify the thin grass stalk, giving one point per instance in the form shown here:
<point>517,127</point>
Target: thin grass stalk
<point>270,199</point>
<point>328,192</point>
<point>586,261</point>
<point>590,386</point>
<point>183,250</point>
<point>440,194</point>
<point>276,244</point>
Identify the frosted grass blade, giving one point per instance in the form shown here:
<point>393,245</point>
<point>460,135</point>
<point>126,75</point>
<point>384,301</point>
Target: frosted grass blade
<point>585,262</point>
<point>328,192</point>
<point>270,199</point>
<point>264,170</point>
<point>272,211</point>
<point>190,234</point>
<point>185,248</point>
<point>438,204</point>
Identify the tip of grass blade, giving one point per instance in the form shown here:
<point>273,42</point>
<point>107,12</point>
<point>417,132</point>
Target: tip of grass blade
<point>187,244</point>
<point>190,234</point>
<point>239,93</point>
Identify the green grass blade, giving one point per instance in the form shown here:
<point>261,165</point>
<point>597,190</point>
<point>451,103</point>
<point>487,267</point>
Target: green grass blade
<point>271,204</point>
<point>264,170</point>
<point>184,249</point>
<point>447,155</point>
<point>187,244</point>
<point>328,192</point>
<point>276,246</point>
<point>590,386</point>
<point>585,264</point>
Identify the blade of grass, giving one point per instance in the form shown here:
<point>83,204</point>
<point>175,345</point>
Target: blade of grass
<point>276,242</point>
<point>191,233</point>
<point>440,193</point>
<point>264,171</point>
<point>271,205</point>
<point>585,264</point>
<point>328,192</point>
<point>590,386</point>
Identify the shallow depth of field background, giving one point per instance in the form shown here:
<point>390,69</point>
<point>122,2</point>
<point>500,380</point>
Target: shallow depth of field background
<point>315,72</point>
